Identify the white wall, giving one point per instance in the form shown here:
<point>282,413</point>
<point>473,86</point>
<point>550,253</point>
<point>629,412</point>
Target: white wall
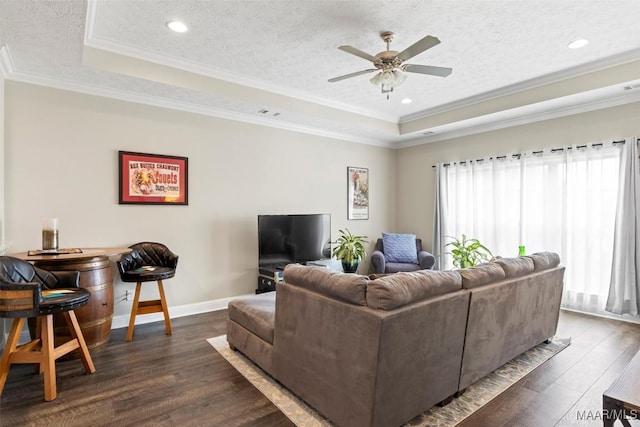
<point>61,161</point>
<point>416,176</point>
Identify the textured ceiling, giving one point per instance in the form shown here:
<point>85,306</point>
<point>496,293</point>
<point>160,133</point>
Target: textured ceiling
<point>288,49</point>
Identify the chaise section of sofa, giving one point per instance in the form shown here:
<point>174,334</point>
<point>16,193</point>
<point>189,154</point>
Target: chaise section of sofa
<point>250,328</point>
<point>375,365</point>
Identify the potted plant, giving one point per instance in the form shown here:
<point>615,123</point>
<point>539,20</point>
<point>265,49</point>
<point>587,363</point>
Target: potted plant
<point>350,250</point>
<point>468,252</point>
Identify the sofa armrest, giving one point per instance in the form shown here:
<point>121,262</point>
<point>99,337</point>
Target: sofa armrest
<point>377,260</point>
<point>426,260</point>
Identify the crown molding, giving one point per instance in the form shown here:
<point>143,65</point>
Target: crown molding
<point>121,49</point>
<point>522,117</point>
<point>216,73</point>
<point>6,64</point>
<point>619,59</point>
<point>127,50</point>
<point>90,19</point>
<point>128,96</point>
<point>460,129</point>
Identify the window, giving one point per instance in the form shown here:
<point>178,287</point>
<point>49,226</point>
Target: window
<point>562,201</point>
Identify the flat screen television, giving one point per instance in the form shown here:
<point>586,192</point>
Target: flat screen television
<point>286,239</point>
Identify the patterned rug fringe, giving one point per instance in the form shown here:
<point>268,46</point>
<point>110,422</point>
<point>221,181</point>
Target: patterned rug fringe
<point>476,395</point>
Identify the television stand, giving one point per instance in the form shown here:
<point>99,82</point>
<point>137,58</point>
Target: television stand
<point>331,263</point>
<point>268,277</point>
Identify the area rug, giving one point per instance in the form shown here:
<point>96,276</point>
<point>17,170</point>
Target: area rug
<point>476,395</point>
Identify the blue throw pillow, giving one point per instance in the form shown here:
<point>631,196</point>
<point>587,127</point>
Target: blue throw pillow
<point>399,247</point>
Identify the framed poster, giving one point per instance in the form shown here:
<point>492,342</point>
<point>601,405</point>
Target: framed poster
<point>358,191</point>
<point>153,179</point>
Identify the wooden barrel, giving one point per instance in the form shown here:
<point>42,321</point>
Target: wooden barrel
<point>95,317</point>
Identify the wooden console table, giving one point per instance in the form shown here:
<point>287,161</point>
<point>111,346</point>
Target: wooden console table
<point>622,399</point>
<point>97,277</point>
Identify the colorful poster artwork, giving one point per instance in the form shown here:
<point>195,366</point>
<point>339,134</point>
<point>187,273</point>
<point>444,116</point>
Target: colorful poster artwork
<point>152,179</point>
<point>358,191</point>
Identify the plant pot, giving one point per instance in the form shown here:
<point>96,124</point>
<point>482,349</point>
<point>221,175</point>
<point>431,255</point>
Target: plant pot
<point>350,267</point>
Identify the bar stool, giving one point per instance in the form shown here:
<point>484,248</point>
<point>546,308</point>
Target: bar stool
<point>148,262</point>
<point>30,298</point>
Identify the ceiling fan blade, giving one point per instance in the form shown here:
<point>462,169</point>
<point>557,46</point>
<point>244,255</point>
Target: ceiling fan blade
<point>348,76</point>
<point>427,69</point>
<point>357,52</point>
<point>418,47</point>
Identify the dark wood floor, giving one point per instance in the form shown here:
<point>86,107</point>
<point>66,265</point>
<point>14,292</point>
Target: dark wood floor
<point>180,380</point>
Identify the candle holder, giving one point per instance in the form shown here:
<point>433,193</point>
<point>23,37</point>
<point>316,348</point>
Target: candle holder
<point>50,234</point>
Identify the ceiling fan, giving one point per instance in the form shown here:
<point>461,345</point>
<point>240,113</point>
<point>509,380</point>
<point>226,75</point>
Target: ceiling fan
<point>390,63</point>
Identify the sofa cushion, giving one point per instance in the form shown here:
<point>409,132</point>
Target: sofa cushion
<point>481,275</point>
<point>346,287</point>
<point>399,247</point>
<point>374,276</point>
<point>256,313</point>
<point>515,267</point>
<point>544,260</point>
<point>396,290</point>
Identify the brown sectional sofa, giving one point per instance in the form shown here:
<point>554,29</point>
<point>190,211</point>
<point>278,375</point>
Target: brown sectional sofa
<point>379,352</point>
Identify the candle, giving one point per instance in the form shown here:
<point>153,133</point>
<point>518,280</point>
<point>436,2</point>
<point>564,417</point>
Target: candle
<point>50,234</point>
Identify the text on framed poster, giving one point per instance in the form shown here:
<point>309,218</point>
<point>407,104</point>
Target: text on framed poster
<point>153,179</point>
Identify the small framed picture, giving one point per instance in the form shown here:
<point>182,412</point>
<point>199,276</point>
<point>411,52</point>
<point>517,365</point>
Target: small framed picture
<point>358,193</point>
<point>153,179</point>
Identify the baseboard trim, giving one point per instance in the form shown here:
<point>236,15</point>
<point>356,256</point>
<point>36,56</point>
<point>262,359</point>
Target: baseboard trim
<point>122,320</point>
<point>623,318</point>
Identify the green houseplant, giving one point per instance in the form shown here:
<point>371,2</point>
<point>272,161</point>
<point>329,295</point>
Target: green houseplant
<point>468,252</point>
<point>350,250</point>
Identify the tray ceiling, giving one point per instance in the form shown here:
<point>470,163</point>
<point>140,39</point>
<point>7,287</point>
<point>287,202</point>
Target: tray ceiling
<point>510,60</point>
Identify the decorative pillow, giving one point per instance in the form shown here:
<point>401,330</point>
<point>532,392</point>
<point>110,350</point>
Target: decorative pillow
<point>396,290</point>
<point>399,247</point>
<point>351,288</point>
<point>515,267</point>
<point>544,260</point>
<point>481,275</point>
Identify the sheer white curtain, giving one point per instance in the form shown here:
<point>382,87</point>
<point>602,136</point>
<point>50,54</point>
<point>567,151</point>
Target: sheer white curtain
<point>624,293</point>
<point>561,200</point>
<point>592,189</point>
<point>480,199</point>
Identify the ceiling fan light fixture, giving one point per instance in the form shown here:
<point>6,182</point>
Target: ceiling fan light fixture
<point>391,63</point>
<point>398,77</point>
<point>387,78</point>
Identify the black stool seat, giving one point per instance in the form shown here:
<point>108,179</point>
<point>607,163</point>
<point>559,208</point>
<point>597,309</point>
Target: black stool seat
<point>148,262</point>
<point>148,274</point>
<point>59,300</point>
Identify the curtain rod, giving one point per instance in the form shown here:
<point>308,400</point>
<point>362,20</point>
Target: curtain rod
<point>518,155</point>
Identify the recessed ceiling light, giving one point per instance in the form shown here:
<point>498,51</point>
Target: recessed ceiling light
<point>577,44</point>
<point>177,26</point>
<point>407,101</point>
